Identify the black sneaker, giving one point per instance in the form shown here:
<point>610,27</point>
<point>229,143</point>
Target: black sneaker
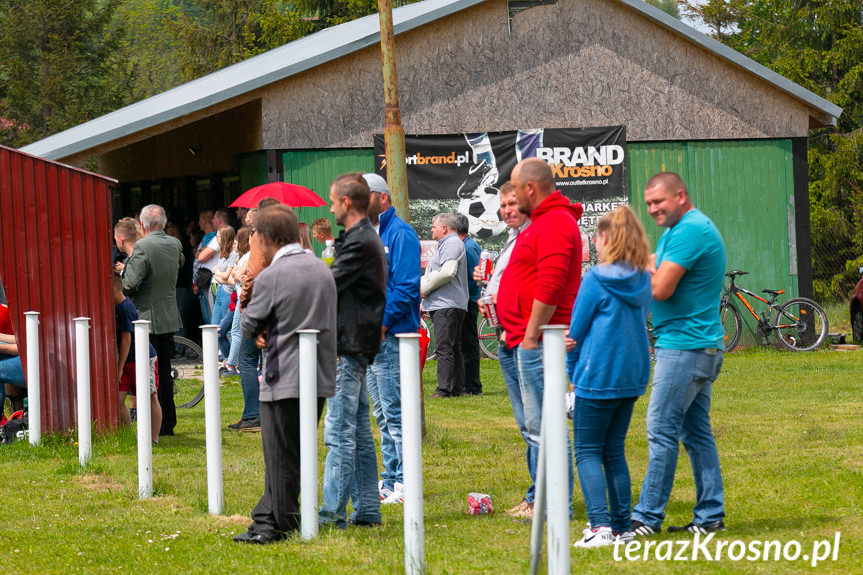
<point>704,529</point>
<point>640,529</point>
<point>248,425</point>
<point>133,414</point>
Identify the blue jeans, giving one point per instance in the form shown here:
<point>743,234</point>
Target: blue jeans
<point>206,311</point>
<point>600,427</point>
<point>10,372</point>
<point>679,412</point>
<point>382,379</point>
<point>509,367</point>
<point>530,380</point>
<point>350,470</point>
<point>224,338</point>
<point>220,309</point>
<point>236,338</point>
<point>249,356</point>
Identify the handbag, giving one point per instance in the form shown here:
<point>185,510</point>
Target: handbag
<point>204,278</point>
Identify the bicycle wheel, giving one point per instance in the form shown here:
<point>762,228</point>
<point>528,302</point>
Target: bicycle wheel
<point>731,323</point>
<point>187,371</point>
<point>488,341</point>
<point>800,324</point>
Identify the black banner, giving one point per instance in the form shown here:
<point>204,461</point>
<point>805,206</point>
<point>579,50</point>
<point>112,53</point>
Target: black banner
<point>588,166</point>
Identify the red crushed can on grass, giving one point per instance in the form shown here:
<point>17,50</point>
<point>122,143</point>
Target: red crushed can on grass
<point>479,504</point>
<point>486,262</point>
<point>489,310</point>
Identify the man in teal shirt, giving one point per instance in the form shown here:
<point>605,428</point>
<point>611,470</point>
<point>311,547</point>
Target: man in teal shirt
<point>686,282</point>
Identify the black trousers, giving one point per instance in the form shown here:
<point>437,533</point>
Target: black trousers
<point>450,362</point>
<point>470,349</point>
<point>278,511</point>
<point>164,344</point>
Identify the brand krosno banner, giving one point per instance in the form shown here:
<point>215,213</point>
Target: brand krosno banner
<point>588,165</point>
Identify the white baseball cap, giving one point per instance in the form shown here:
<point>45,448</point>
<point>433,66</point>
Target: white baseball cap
<point>377,183</point>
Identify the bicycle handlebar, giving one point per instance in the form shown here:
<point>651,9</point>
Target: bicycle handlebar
<point>733,273</point>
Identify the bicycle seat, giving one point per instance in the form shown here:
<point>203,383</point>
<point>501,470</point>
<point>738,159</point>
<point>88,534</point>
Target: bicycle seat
<point>773,291</point>
<point>731,274</point>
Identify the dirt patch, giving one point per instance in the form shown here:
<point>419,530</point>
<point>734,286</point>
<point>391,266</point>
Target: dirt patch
<point>229,520</point>
<point>97,482</point>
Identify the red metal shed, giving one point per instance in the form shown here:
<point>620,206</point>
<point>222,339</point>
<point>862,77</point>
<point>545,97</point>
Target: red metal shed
<point>55,258</point>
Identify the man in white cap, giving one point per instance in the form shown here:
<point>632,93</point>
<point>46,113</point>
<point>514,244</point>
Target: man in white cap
<point>401,315</point>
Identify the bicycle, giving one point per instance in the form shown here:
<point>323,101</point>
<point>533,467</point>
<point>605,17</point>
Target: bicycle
<point>799,323</point>
<point>187,371</point>
<point>487,335</point>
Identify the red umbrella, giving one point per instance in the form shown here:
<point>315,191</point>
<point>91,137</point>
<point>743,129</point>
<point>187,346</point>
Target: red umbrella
<point>288,194</point>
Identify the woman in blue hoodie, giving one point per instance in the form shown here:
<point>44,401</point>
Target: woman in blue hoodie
<point>609,364</point>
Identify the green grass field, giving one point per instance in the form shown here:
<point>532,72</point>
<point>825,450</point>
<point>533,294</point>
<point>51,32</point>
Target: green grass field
<point>788,427</point>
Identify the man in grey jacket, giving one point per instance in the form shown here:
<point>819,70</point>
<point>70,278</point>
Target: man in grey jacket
<point>150,281</point>
<point>295,291</point>
<point>444,289</point>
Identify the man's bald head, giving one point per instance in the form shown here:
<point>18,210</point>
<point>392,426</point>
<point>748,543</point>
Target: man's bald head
<point>533,183</point>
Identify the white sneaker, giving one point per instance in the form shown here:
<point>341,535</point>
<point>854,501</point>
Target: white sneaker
<point>624,537</point>
<point>601,537</point>
<point>396,496</point>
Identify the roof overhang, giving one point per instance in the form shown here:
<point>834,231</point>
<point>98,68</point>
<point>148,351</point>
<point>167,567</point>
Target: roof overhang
<point>330,44</point>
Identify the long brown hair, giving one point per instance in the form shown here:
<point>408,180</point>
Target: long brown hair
<point>243,240</point>
<point>227,234</point>
<point>625,238</point>
<point>305,236</point>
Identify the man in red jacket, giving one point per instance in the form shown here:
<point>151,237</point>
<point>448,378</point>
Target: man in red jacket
<point>541,280</point>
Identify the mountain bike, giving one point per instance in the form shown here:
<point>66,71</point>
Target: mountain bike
<point>799,323</point>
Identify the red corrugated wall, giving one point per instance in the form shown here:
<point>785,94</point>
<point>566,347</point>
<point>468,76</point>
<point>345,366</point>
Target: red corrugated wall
<point>55,258</point>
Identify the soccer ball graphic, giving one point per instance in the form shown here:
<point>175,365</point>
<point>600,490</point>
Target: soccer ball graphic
<point>479,201</point>
<point>482,213</point>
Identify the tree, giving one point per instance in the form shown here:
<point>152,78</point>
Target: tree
<point>667,6</point>
<point>61,64</point>
<point>721,16</point>
<point>218,33</point>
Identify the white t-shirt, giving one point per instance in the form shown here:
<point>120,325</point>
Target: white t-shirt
<point>211,263</point>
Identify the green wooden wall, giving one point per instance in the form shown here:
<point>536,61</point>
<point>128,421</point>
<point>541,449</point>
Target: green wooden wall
<point>746,188</point>
<point>316,169</point>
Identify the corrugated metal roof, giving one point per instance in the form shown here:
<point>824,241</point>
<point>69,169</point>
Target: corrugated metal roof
<point>328,45</point>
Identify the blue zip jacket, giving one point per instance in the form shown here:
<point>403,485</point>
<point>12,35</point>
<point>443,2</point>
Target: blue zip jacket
<point>402,311</point>
<point>472,254</point>
<point>611,359</point>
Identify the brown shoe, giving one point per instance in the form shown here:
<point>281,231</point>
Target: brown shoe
<point>519,508</point>
<point>525,513</point>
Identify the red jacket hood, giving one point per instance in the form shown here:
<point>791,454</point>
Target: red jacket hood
<point>555,201</point>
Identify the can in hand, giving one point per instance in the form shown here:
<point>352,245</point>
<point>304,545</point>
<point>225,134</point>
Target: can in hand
<point>486,261</point>
<point>489,310</point>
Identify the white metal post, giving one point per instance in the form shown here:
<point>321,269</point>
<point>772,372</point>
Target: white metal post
<point>82,357</point>
<point>556,452</point>
<point>34,397</point>
<point>309,433</point>
<point>412,458</point>
<point>213,418</point>
<point>539,506</point>
<point>142,391</point>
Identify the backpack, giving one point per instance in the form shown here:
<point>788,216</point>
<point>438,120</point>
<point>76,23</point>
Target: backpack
<point>16,427</point>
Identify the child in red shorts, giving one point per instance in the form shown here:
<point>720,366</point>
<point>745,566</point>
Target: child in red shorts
<point>126,314</point>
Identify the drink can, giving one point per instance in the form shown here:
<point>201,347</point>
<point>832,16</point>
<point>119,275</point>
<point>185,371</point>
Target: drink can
<point>490,310</point>
<point>486,261</point>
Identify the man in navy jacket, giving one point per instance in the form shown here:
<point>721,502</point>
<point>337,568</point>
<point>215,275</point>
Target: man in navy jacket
<point>401,315</point>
